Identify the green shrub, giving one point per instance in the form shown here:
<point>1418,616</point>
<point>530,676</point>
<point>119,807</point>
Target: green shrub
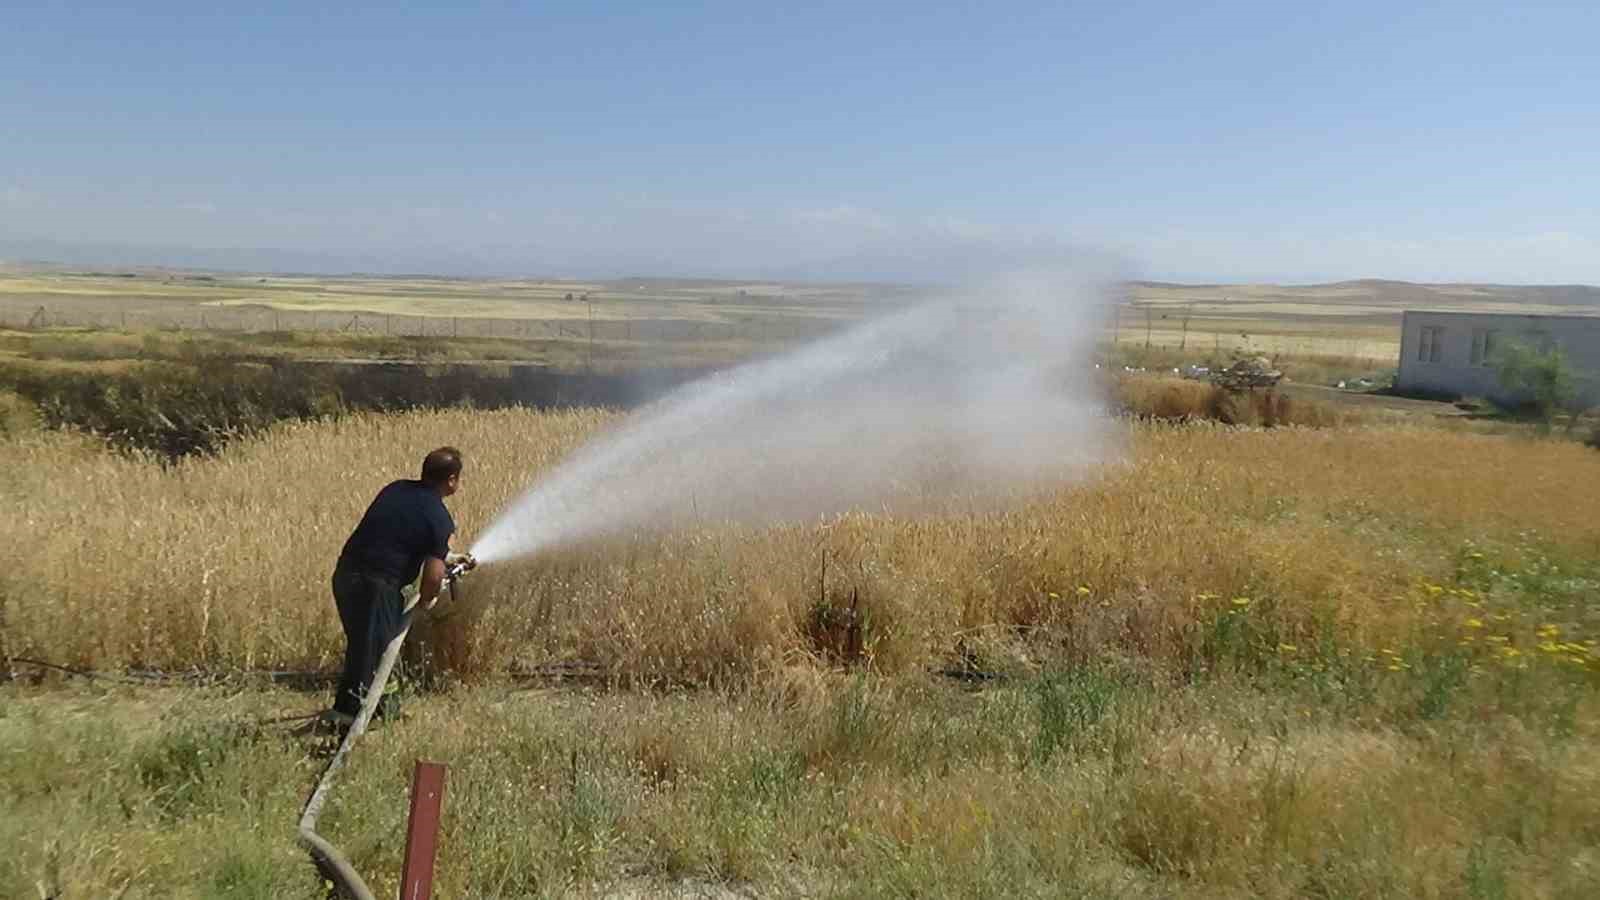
<point>1543,378</point>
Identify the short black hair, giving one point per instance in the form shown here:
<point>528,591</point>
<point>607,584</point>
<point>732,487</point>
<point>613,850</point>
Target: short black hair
<point>441,465</point>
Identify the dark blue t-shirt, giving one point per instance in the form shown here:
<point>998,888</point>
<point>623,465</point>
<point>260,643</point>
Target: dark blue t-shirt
<point>406,524</point>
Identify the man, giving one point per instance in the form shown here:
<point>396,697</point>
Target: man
<point>406,530</point>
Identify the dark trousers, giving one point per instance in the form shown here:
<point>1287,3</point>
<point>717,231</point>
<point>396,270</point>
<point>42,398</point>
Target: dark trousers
<point>371,610</point>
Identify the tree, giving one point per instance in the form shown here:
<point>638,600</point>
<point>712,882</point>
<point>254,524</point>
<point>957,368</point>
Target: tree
<point>1543,377</point>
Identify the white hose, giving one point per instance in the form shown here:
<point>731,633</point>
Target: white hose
<point>324,854</point>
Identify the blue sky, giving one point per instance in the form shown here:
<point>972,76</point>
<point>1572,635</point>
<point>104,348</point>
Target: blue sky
<point>1224,141</point>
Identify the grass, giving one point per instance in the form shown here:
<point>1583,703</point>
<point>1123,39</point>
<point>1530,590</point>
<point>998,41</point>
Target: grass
<point>1347,661</point>
<point>855,785</point>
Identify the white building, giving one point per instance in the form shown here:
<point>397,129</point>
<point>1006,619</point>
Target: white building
<point>1453,352</point>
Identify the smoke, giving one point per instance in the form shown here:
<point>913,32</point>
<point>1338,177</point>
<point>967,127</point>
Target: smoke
<point>963,399</point>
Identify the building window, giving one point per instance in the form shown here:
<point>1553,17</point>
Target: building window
<point>1484,341</point>
<point>1428,346</point>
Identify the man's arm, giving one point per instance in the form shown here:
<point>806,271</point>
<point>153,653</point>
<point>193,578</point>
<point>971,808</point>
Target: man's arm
<point>432,580</point>
<point>434,564</point>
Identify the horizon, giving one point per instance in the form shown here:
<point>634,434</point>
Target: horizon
<point>1243,144</point>
<point>79,269</point>
<point>84,269</point>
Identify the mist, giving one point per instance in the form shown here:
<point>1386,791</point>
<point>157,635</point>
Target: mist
<point>962,400</point>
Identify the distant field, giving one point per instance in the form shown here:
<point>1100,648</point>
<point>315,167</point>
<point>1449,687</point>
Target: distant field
<point>250,303</point>
<point>657,321</point>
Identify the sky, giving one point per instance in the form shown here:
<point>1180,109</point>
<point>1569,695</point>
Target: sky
<point>1191,141</point>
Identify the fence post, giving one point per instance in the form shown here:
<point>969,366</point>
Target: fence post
<point>422,831</point>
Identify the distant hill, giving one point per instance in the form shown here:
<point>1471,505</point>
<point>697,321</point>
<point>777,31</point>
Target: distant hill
<point>876,271</point>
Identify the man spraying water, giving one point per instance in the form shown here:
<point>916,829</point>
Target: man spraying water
<point>406,531</point>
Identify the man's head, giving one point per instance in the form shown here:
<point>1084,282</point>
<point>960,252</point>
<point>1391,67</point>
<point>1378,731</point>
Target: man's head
<point>441,470</point>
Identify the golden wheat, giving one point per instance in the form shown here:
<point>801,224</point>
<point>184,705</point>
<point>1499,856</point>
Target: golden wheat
<point>223,563</point>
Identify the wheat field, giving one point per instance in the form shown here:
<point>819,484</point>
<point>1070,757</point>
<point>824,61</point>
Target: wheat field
<point>1238,662</point>
<point>222,563</point>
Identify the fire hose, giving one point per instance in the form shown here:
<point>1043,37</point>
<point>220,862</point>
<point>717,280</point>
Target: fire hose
<point>327,857</point>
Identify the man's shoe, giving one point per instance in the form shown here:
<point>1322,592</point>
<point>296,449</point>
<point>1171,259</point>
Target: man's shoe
<point>333,721</point>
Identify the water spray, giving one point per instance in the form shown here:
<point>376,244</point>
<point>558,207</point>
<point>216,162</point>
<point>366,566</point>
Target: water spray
<point>966,397</point>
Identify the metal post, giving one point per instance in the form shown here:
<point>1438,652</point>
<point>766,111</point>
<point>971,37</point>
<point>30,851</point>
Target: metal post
<point>422,831</point>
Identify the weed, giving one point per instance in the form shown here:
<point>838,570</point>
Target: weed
<point>177,765</point>
<point>1069,706</point>
<point>1485,876</point>
<point>1442,676</point>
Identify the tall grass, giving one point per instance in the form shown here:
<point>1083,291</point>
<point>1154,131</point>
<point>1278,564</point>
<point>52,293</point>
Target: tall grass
<point>1241,662</point>
<point>222,563</point>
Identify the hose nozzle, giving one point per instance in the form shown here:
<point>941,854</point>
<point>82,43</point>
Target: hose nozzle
<point>457,565</point>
